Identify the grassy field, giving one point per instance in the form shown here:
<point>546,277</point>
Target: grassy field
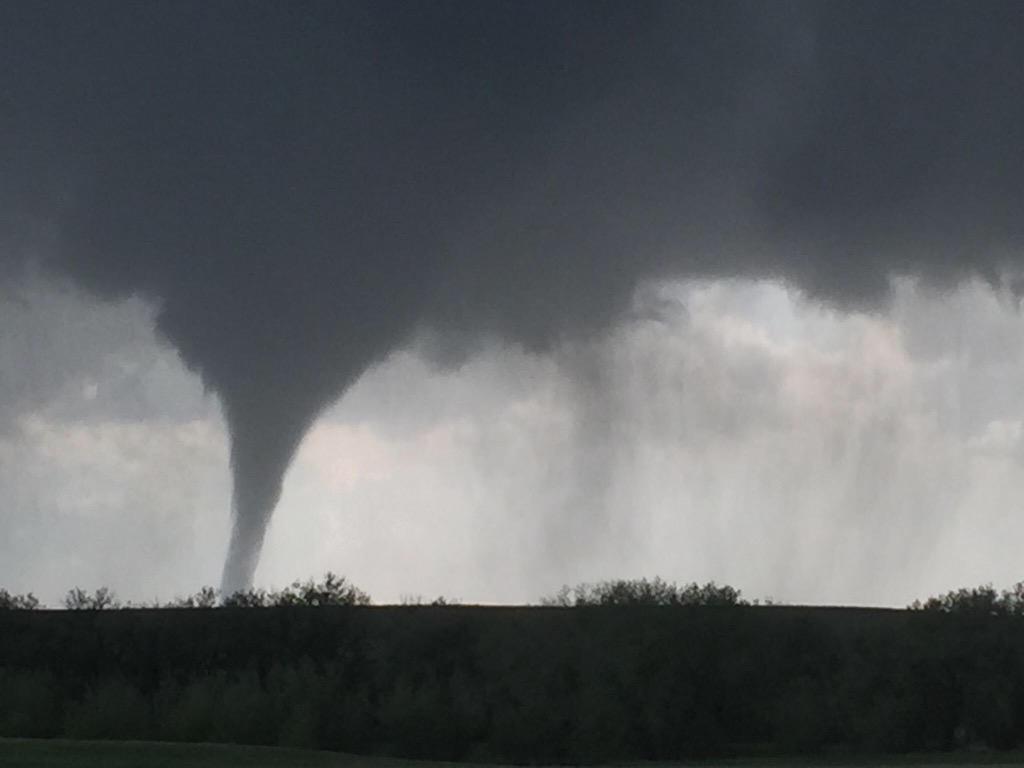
<point>56,753</point>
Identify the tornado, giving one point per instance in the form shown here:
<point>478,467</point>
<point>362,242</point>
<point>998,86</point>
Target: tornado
<point>261,450</point>
<point>303,188</point>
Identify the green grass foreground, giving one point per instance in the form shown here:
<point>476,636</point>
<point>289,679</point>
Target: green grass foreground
<point>62,753</point>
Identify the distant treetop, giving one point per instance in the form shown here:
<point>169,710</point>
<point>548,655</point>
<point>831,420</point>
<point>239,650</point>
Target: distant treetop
<point>644,592</point>
<point>983,600</point>
<point>26,602</point>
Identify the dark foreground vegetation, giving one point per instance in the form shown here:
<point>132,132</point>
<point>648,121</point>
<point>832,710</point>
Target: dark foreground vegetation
<point>62,753</point>
<point>621,671</point>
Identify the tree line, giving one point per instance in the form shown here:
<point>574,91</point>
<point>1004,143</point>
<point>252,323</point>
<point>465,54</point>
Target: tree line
<point>334,590</point>
<point>611,671</point>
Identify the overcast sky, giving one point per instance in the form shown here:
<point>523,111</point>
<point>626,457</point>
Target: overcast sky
<point>482,296</point>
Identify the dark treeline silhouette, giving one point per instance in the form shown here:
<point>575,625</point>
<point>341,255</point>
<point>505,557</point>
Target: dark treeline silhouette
<point>335,590</point>
<point>28,602</point>
<point>622,670</point>
<point>977,600</point>
<point>330,590</point>
<point>644,592</point>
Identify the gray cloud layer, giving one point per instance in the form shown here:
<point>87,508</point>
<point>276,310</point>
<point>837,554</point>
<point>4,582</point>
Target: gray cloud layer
<point>300,187</point>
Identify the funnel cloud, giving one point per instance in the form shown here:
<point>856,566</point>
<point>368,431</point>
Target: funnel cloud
<point>303,188</point>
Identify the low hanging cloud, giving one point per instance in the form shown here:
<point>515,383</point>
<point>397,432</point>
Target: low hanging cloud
<point>729,430</point>
<point>302,189</point>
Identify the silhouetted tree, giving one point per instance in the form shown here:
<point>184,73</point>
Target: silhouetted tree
<point>207,597</point>
<point>27,602</point>
<point>644,592</point>
<point>250,598</point>
<point>331,590</point>
<point>977,600</point>
<point>79,600</point>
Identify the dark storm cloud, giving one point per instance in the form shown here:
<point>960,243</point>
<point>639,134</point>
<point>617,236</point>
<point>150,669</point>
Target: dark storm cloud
<point>300,186</point>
